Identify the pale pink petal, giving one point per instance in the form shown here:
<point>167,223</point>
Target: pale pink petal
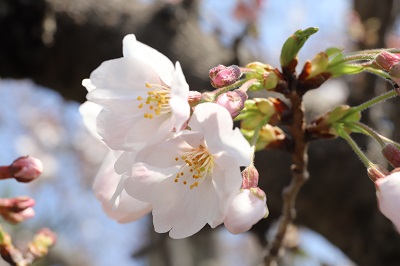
<point>127,208</point>
<point>120,79</point>
<point>130,130</point>
<point>388,194</point>
<point>124,163</point>
<point>164,154</point>
<point>143,182</point>
<point>179,98</point>
<point>227,180</point>
<point>236,146</point>
<point>245,211</point>
<point>88,85</point>
<point>139,52</point>
<point>216,124</point>
<point>89,112</point>
<point>211,119</point>
<point>182,210</point>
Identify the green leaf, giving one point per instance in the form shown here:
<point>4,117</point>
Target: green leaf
<point>293,45</point>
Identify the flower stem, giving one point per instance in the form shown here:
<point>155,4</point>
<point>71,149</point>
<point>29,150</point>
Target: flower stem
<point>364,159</point>
<point>222,90</point>
<point>387,140</point>
<point>378,72</point>
<point>371,102</point>
<point>257,130</point>
<point>370,132</point>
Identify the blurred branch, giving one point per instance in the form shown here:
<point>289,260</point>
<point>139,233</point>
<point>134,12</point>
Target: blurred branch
<point>37,248</point>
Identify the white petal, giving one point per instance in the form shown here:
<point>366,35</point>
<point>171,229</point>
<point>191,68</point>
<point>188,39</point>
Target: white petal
<point>164,154</point>
<point>120,79</point>
<point>124,163</point>
<point>182,210</point>
<point>179,98</point>
<point>128,209</point>
<point>236,146</point>
<point>245,211</point>
<point>211,119</point>
<point>388,193</point>
<point>144,179</point>
<point>140,52</point>
<point>215,123</point>
<point>227,180</point>
<point>89,112</point>
<point>127,130</point>
<point>88,85</point>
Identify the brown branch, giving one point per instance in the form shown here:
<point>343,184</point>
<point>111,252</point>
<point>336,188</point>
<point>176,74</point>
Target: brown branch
<point>299,177</point>
<point>37,248</point>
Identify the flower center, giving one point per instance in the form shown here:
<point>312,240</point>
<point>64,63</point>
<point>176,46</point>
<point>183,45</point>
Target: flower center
<point>156,102</point>
<point>197,164</point>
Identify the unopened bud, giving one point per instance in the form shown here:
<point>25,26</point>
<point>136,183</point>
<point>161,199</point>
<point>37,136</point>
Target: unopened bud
<point>386,60</point>
<point>247,208</point>
<point>194,97</point>
<point>233,101</point>
<point>376,172</point>
<point>250,177</point>
<point>26,169</point>
<point>42,241</point>
<point>392,154</point>
<point>394,71</point>
<point>16,210</point>
<point>221,76</point>
<point>270,80</point>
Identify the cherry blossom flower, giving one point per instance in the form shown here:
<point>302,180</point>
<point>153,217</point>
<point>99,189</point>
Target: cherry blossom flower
<point>144,97</point>
<point>108,189</point>
<point>108,185</point>
<point>248,207</point>
<point>387,192</point>
<point>191,178</point>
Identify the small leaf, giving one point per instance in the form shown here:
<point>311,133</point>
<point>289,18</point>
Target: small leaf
<point>293,45</point>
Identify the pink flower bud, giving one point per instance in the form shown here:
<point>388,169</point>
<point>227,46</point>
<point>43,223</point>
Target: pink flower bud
<point>392,154</point>
<point>250,177</point>
<point>394,71</point>
<point>387,192</point>
<point>194,97</point>
<point>233,101</point>
<point>246,209</point>
<point>26,169</point>
<point>386,60</point>
<point>221,75</point>
<point>17,209</point>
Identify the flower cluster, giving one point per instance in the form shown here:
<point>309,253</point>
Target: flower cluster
<point>180,161</point>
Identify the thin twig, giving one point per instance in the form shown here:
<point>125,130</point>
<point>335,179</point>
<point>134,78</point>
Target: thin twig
<point>299,177</point>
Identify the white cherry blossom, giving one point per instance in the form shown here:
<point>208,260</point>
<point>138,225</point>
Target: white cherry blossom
<point>116,203</point>
<point>247,208</point>
<point>144,97</point>
<point>191,178</point>
<point>388,194</point>
<point>108,185</point>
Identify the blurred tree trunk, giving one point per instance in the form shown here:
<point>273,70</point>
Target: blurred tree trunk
<point>58,43</point>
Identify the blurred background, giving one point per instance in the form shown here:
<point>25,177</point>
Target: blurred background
<point>48,46</point>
